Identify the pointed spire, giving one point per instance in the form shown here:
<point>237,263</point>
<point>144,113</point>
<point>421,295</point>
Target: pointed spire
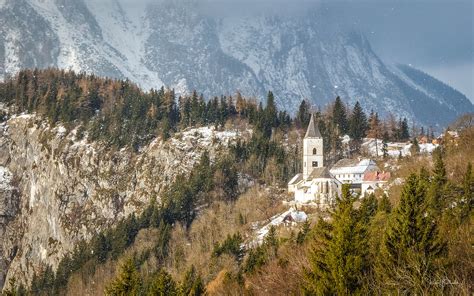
<point>313,130</point>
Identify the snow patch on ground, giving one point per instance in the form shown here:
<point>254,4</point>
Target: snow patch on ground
<point>5,178</point>
<point>274,221</point>
<point>12,60</point>
<point>394,148</point>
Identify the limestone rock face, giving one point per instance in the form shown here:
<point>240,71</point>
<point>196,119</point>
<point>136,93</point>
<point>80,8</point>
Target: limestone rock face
<point>56,189</point>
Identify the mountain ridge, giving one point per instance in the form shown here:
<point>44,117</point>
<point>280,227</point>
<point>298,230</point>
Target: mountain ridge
<point>173,44</point>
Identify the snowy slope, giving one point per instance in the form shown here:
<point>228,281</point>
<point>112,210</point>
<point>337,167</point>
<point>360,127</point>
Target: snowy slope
<point>170,43</point>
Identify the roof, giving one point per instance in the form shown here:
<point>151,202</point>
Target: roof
<point>296,179</point>
<point>377,176</point>
<point>322,172</point>
<point>313,130</point>
<point>353,166</point>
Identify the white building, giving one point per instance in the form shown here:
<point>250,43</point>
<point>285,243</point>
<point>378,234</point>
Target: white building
<point>351,171</point>
<point>315,184</point>
<point>374,180</point>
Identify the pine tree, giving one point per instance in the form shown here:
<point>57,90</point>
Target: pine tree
<point>101,248</point>
<point>162,285</point>
<point>438,183</point>
<point>270,115</point>
<point>358,123</point>
<point>403,133</point>
<point>192,284</point>
<point>338,257</point>
<point>271,241</point>
<point>368,207</point>
<point>303,116</point>
<point>415,148</point>
<point>411,245</point>
<point>127,282</point>
<point>384,204</point>
<point>339,116</point>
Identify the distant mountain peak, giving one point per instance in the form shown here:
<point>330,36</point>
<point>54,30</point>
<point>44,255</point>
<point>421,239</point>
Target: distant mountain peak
<point>177,45</point>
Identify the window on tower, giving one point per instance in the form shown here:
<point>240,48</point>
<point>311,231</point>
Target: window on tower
<point>315,164</point>
<point>314,151</point>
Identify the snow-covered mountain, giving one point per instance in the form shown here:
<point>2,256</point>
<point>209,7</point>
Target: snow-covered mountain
<point>172,43</point>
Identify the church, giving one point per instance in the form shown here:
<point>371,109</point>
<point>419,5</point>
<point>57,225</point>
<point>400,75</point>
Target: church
<point>316,184</point>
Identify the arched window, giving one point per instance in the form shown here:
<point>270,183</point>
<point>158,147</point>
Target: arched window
<point>314,151</point>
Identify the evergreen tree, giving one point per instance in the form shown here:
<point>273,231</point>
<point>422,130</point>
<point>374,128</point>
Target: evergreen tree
<point>411,245</point>
<point>358,123</point>
<point>192,284</point>
<point>384,204</point>
<point>438,183</point>
<point>271,241</point>
<point>338,258</point>
<point>415,147</point>
<point>403,133</point>
<point>303,116</point>
<point>271,113</point>
<point>256,258</point>
<point>101,247</point>
<point>303,233</point>
<point>62,273</point>
<point>226,179</point>
<point>127,282</point>
<point>339,116</point>
<point>163,285</point>
<point>368,207</point>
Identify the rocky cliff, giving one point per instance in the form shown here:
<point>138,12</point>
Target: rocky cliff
<point>57,189</point>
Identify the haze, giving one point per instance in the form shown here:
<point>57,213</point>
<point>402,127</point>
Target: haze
<point>436,36</point>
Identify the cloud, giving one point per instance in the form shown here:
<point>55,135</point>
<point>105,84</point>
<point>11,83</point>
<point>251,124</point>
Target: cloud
<point>220,8</point>
<point>430,34</point>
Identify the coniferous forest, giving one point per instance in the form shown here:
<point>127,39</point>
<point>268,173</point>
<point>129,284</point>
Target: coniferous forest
<point>416,240</point>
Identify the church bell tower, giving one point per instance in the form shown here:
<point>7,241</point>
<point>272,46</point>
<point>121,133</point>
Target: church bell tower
<point>313,156</point>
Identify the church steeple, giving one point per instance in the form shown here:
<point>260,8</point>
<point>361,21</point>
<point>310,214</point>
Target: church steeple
<point>313,130</point>
<point>313,154</point>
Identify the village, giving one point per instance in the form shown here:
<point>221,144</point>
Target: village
<point>318,185</point>
<point>316,188</point>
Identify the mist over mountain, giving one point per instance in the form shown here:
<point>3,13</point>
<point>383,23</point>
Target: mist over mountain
<point>216,48</point>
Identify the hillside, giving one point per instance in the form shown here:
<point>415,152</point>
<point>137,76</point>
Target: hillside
<point>108,189</point>
<point>176,44</point>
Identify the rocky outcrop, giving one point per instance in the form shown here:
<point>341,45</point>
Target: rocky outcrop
<point>57,189</point>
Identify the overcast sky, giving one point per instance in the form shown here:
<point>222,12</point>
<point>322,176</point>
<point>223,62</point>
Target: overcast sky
<point>436,36</point>
<point>433,35</point>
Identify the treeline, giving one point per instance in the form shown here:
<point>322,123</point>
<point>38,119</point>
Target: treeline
<point>118,112</point>
<point>369,246</point>
<point>413,256</point>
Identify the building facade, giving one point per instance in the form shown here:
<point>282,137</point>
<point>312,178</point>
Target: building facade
<point>316,184</point>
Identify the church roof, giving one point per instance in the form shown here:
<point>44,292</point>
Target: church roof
<point>313,130</point>
<point>296,179</point>
<point>322,172</point>
<point>353,166</point>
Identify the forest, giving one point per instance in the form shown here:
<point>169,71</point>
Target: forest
<point>415,240</point>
